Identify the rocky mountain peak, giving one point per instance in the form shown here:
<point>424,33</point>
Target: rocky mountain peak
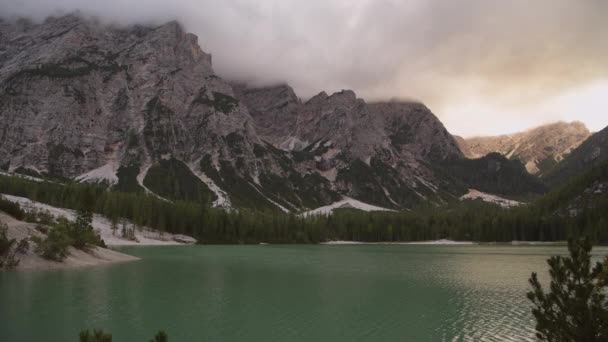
<point>415,130</point>
<point>280,95</point>
<point>116,95</point>
<point>343,95</point>
<point>322,96</point>
<point>273,109</point>
<point>538,148</point>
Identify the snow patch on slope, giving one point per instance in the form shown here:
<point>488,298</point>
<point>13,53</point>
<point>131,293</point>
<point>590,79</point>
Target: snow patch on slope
<point>345,203</point>
<point>503,202</point>
<point>21,176</point>
<point>285,210</point>
<point>330,174</point>
<point>388,195</point>
<point>145,237</point>
<point>293,143</point>
<point>140,180</point>
<point>428,184</point>
<point>222,201</point>
<point>106,173</point>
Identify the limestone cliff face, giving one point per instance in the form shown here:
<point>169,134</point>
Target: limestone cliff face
<point>367,150</point>
<point>141,108</point>
<point>274,109</point>
<point>414,130</point>
<point>75,97</point>
<point>538,149</point>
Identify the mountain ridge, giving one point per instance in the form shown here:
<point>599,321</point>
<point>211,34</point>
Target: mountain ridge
<point>591,153</point>
<point>538,148</point>
<point>142,109</point>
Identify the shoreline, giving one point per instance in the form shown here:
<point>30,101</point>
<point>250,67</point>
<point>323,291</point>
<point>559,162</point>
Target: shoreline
<point>444,242</point>
<point>145,237</point>
<point>30,261</point>
<point>441,242</point>
<point>77,259</point>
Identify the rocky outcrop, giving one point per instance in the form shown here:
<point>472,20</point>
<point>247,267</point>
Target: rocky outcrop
<point>415,131</point>
<point>274,109</point>
<point>538,149</point>
<point>377,152</point>
<point>77,97</point>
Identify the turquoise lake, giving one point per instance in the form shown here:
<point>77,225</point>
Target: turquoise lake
<point>284,293</point>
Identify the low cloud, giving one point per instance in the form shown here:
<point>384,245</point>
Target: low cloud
<point>513,55</point>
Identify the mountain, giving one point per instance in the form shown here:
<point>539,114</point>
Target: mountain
<point>376,152</point>
<point>495,174</point>
<point>140,108</point>
<point>591,153</point>
<point>584,196</point>
<point>538,149</point>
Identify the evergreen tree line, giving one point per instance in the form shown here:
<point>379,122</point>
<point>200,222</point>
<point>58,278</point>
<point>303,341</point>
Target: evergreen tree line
<point>544,220</point>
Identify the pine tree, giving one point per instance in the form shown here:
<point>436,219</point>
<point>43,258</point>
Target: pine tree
<point>576,307</point>
<point>124,231</point>
<point>7,252</point>
<point>81,231</point>
<point>132,233</point>
<point>114,225</point>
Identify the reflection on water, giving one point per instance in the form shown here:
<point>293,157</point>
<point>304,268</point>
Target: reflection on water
<point>284,293</point>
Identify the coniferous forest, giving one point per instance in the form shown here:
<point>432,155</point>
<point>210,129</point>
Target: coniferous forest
<point>569,211</point>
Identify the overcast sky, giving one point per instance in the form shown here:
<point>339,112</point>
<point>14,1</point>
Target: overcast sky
<point>483,66</point>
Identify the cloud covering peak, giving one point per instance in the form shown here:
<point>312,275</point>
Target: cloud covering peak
<point>482,66</point>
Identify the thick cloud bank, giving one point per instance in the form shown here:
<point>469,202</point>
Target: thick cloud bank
<point>485,66</point>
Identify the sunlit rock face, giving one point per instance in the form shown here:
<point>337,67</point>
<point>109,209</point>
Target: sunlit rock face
<point>538,149</point>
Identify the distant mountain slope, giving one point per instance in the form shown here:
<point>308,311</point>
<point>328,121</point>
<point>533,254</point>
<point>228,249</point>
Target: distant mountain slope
<point>374,152</point>
<point>494,174</point>
<point>593,152</point>
<point>538,149</point>
<point>586,192</point>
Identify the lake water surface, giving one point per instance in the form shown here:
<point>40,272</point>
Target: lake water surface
<point>284,293</point>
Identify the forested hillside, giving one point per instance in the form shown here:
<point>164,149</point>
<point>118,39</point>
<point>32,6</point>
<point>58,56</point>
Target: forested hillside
<point>577,208</point>
<point>591,153</point>
<point>494,174</point>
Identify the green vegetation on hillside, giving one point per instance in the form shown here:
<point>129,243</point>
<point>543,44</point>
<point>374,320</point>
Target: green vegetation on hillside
<point>127,179</point>
<point>63,233</point>
<point>11,208</point>
<point>552,218</point>
<point>493,174</point>
<point>55,245</point>
<point>172,179</point>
